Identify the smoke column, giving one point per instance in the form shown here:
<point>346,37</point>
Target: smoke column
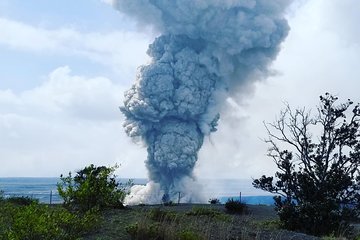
<point>207,50</point>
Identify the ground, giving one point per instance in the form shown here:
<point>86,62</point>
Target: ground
<point>205,221</point>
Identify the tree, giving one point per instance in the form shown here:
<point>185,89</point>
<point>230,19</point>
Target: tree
<point>317,182</point>
<point>92,187</point>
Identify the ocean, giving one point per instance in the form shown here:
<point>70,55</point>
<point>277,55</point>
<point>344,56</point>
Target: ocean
<point>38,188</point>
<point>44,189</point>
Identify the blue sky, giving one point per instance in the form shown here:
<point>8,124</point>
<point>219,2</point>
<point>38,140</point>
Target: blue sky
<point>64,66</point>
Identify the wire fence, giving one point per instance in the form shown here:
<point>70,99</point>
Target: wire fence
<point>49,197</point>
<point>53,197</point>
<point>180,197</point>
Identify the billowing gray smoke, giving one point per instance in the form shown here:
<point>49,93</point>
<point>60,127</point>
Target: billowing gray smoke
<point>206,48</point>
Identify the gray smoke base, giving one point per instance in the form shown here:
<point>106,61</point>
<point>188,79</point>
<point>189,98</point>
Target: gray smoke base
<point>207,50</point>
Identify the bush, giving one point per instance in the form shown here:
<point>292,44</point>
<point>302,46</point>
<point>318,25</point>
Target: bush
<point>1,195</point>
<point>40,222</point>
<point>214,201</point>
<point>235,206</point>
<point>317,181</point>
<point>25,201</point>
<point>92,187</point>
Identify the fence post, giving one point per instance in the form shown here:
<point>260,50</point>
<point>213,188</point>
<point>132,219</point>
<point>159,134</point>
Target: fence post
<point>240,197</point>
<point>179,198</point>
<point>50,197</point>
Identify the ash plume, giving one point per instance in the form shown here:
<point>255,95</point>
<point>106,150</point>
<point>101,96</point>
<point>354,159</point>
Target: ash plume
<point>206,51</point>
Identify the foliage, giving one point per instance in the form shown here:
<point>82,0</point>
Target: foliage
<point>92,187</point>
<point>135,223</point>
<point>160,231</point>
<point>22,200</point>
<point>214,201</point>
<point>146,231</point>
<point>268,224</point>
<point>1,195</point>
<point>203,211</point>
<point>235,206</point>
<point>317,181</point>
<point>41,222</point>
<point>132,229</point>
<point>189,235</point>
<point>208,212</point>
<point>161,224</point>
<point>159,215</point>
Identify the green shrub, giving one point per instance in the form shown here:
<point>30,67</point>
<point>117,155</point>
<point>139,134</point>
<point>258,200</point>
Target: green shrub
<point>203,211</point>
<point>189,235</point>
<point>1,195</point>
<point>357,237</point>
<point>92,187</point>
<point>41,222</point>
<point>235,206</point>
<point>22,200</point>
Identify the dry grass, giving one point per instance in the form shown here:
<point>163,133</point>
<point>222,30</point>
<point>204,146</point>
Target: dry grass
<point>192,222</point>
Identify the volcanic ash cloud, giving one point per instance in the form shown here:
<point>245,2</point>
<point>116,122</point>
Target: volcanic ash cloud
<point>207,50</point>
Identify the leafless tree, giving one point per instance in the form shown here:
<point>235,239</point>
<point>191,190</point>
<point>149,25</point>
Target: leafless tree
<point>317,181</point>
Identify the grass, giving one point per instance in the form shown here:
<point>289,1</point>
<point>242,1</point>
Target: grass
<point>190,222</point>
<point>196,224</point>
<point>178,222</point>
<point>209,212</point>
<point>268,224</point>
<point>161,222</point>
<point>25,218</point>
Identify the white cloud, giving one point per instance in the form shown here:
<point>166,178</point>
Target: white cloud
<point>342,16</point>
<point>64,124</point>
<point>86,98</point>
<point>120,50</point>
<point>66,95</point>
